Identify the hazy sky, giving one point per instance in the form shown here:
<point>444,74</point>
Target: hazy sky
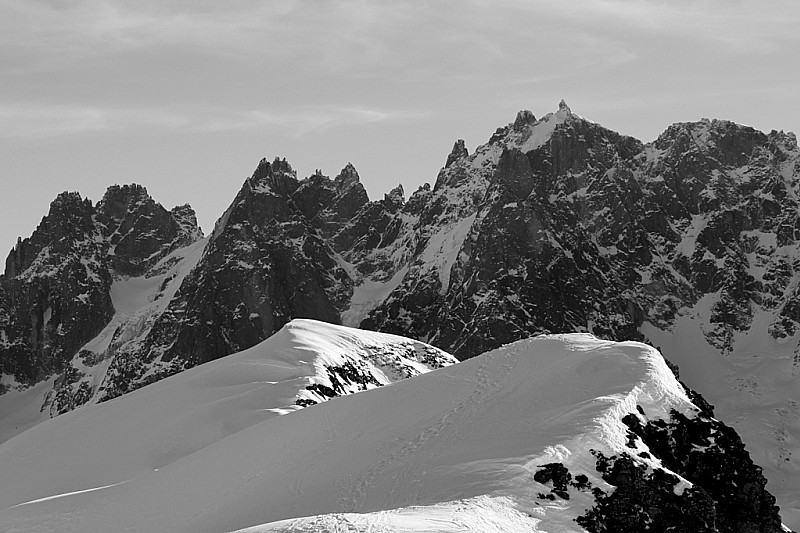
<point>186,96</point>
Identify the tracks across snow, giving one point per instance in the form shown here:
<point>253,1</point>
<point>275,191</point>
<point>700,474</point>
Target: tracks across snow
<point>484,514</point>
<point>430,438</point>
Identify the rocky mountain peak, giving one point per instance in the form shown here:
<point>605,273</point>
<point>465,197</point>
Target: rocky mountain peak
<point>350,194</point>
<point>186,218</point>
<point>139,230</point>
<point>120,202</point>
<point>277,177</point>
<point>458,152</point>
<point>524,118</point>
<point>527,133</point>
<point>68,212</point>
<point>117,196</point>
<point>395,197</point>
<point>261,174</point>
<point>68,220</point>
<point>327,203</point>
<point>710,144</point>
<point>347,177</point>
<point>67,201</point>
<point>280,165</point>
<point>63,274</point>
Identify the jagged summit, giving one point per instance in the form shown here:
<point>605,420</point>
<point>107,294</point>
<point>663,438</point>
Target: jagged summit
<point>119,193</point>
<point>459,151</point>
<point>524,118</point>
<point>347,177</point>
<point>396,196</point>
<point>68,221</point>
<point>277,177</point>
<point>528,133</point>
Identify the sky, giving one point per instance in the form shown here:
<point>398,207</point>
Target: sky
<point>186,96</point>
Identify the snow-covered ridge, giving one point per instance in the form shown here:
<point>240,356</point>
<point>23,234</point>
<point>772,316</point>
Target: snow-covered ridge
<point>461,447</point>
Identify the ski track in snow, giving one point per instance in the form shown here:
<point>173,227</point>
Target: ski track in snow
<point>67,494</point>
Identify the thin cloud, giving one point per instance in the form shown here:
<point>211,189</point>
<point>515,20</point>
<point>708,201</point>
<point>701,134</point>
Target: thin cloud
<point>97,28</point>
<point>312,119</point>
<point>352,35</point>
<point>36,122</point>
<point>408,40</point>
<point>42,121</point>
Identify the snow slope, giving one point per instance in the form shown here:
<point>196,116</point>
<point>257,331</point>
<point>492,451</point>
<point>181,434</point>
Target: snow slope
<point>451,450</point>
<point>120,440</point>
<point>20,407</point>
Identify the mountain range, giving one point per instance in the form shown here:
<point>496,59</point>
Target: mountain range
<point>688,243</point>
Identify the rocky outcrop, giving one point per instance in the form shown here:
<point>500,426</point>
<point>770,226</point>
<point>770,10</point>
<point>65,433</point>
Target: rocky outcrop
<point>712,456</point>
<point>690,473</point>
<point>645,500</point>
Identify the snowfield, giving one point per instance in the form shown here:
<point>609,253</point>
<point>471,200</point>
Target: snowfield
<point>450,450</point>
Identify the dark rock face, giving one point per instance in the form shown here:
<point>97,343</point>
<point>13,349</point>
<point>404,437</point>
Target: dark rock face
<point>356,375</point>
<point>556,474</point>
<point>712,456</point>
<point>459,152</point>
<point>643,501</point>
<point>350,374</point>
<point>56,291</point>
<point>523,260</point>
<point>727,491</point>
<point>139,231</point>
<point>329,204</point>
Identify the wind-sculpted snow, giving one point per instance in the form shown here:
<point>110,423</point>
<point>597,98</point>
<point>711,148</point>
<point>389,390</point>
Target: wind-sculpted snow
<point>460,448</point>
